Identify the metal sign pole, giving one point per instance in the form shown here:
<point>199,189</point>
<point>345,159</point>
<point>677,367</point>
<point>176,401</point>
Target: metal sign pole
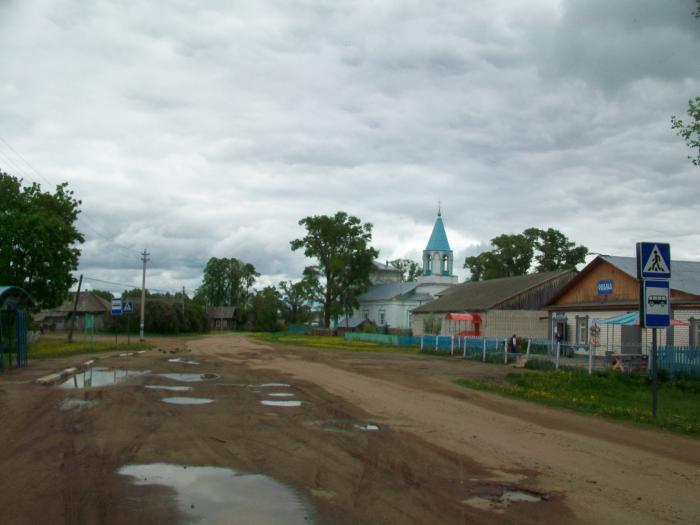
<point>654,373</point>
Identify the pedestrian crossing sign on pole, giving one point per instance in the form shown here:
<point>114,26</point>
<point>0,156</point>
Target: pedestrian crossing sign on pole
<point>653,260</point>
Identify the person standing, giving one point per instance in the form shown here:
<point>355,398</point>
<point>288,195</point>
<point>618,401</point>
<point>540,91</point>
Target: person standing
<point>513,344</point>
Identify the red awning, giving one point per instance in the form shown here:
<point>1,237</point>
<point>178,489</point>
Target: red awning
<point>463,317</point>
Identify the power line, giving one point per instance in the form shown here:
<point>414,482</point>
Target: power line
<point>125,285</point>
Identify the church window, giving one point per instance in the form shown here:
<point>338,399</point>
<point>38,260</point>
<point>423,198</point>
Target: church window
<point>382,317</point>
<point>445,265</point>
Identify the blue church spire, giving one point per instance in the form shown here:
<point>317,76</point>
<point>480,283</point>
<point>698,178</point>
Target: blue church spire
<point>438,239</point>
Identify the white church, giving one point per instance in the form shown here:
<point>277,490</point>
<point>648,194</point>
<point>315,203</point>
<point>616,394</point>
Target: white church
<point>390,302</point>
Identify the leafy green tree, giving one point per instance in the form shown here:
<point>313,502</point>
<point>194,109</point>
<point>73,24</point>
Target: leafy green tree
<point>104,294</point>
<point>38,239</point>
<point>690,130</point>
<point>511,255</point>
<point>410,270</point>
<point>295,300</point>
<point>341,246</point>
<point>227,282</point>
<point>265,308</point>
<point>556,251</point>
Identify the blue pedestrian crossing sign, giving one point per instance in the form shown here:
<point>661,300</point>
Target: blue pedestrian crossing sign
<point>653,260</point>
<point>128,307</point>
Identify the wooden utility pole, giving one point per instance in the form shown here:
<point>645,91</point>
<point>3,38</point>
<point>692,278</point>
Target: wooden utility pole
<point>75,308</point>
<point>144,259</point>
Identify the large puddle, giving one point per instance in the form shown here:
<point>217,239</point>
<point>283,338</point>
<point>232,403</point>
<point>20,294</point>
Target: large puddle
<point>190,378</point>
<point>183,361</point>
<point>212,495</point>
<point>97,376</point>
<point>169,388</point>
<point>271,403</point>
<point>187,400</point>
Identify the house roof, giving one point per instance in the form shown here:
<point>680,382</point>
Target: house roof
<point>484,295</point>
<point>685,275</point>
<point>387,291</point>
<point>438,239</point>
<point>221,312</point>
<point>381,267</point>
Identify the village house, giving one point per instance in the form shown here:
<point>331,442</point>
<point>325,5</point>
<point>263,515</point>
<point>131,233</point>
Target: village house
<point>88,303</point>
<point>493,308</point>
<point>600,307</point>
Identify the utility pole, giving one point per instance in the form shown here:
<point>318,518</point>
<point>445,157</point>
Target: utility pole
<point>75,307</point>
<point>144,259</point>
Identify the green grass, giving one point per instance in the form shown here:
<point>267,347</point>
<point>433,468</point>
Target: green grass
<point>612,395</point>
<point>330,343</point>
<point>48,348</point>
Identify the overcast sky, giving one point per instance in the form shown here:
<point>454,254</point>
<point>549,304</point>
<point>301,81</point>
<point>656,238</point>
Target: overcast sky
<point>200,128</point>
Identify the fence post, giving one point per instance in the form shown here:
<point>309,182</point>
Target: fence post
<point>558,351</point>
<point>452,345</point>
<point>465,345</point>
<point>529,342</point>
<point>505,351</point>
<point>421,342</point>
<point>590,359</point>
<point>437,343</point>
<point>484,349</point>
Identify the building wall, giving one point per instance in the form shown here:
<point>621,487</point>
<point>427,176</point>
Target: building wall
<point>396,313</point>
<point>523,323</point>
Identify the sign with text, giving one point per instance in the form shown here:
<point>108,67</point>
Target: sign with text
<point>605,287</point>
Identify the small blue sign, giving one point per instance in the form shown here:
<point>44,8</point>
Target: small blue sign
<point>656,304</point>
<point>128,307</point>
<point>653,260</point>
<point>116,306</point>
<point>605,287</point>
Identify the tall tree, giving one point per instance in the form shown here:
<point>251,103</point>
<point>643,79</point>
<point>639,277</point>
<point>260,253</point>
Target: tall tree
<point>511,255</point>
<point>264,310</point>
<point>38,239</point>
<point>556,251</point>
<point>226,282</point>
<point>295,300</point>
<point>690,130</point>
<point>410,270</point>
<point>341,246</point>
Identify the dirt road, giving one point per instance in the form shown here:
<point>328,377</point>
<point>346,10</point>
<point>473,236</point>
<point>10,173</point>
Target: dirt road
<point>443,454</point>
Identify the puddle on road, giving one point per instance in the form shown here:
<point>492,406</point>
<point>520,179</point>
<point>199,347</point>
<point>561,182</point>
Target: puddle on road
<point>190,378</point>
<point>369,427</point>
<point>272,403</point>
<point>270,385</point>
<point>280,394</point>
<point>508,495</point>
<point>76,404</point>
<point>345,425</point>
<point>213,495</point>
<point>187,400</point>
<point>169,388</point>
<point>183,361</point>
<point>97,376</point>
<point>517,496</point>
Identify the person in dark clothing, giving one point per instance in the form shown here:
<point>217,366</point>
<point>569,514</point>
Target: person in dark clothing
<point>513,344</point>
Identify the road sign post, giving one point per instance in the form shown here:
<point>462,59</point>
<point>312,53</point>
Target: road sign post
<point>654,273</point>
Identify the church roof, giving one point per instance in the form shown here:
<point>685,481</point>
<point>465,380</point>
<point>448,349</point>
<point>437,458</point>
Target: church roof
<point>387,291</point>
<point>438,239</point>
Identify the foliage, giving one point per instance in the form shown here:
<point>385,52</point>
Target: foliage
<point>104,294</point>
<point>264,311</point>
<point>690,130</point>
<point>410,270</point>
<point>48,348</point>
<point>296,299</point>
<point>539,364</point>
<point>609,394</point>
<point>340,245</point>
<point>227,282</point>
<point>38,239</point>
<point>432,325</point>
<point>164,315</point>
<point>512,254</point>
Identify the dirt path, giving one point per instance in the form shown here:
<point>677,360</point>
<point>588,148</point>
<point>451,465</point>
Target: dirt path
<point>609,472</point>
<point>443,455</point>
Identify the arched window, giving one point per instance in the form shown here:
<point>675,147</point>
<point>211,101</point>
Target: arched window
<point>445,265</point>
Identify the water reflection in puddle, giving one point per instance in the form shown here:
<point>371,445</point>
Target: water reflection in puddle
<point>280,394</point>
<point>76,404</point>
<point>187,400</point>
<point>169,388</point>
<point>212,495</point>
<point>271,385</point>
<point>190,378</point>
<point>97,376</point>
<point>271,403</point>
<point>183,361</point>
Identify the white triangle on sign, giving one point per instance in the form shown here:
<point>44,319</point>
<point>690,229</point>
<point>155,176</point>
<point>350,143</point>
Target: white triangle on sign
<point>656,262</point>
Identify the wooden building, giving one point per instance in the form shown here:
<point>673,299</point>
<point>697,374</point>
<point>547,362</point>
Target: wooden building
<point>88,303</point>
<point>494,308</point>
<point>608,287</point>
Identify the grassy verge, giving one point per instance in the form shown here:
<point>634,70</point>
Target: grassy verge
<point>47,348</point>
<point>612,395</point>
<point>330,343</point>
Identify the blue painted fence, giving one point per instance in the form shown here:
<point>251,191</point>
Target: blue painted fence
<point>679,360</point>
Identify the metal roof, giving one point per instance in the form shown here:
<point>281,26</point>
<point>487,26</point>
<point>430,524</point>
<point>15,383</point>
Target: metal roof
<point>685,275</point>
<point>483,295</point>
<point>381,267</point>
<point>387,291</point>
<point>438,239</point>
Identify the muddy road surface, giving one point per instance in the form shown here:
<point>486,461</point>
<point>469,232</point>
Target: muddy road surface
<point>294,435</point>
